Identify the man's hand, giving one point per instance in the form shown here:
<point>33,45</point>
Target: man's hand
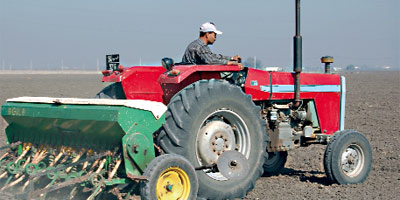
<point>240,65</point>
<point>236,58</point>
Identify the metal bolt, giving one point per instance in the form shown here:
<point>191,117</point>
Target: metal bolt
<point>169,187</point>
<point>134,148</point>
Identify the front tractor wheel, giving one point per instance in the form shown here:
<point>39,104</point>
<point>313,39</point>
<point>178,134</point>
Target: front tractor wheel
<point>275,162</point>
<point>170,176</point>
<point>205,120</point>
<point>348,158</point>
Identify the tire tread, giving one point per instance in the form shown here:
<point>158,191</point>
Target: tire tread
<point>201,90</point>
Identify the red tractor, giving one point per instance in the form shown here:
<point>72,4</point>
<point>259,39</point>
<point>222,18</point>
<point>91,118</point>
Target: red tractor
<point>213,109</point>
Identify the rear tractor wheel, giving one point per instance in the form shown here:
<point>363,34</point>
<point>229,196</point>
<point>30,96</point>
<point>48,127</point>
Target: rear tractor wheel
<point>348,158</point>
<point>170,176</point>
<point>208,118</point>
<point>112,91</point>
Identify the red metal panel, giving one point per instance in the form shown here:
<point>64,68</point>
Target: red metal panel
<point>328,110</point>
<point>287,78</point>
<point>283,78</point>
<point>170,89</point>
<point>187,70</point>
<point>114,77</point>
<point>327,103</point>
<point>141,83</point>
<point>188,75</point>
<point>254,81</point>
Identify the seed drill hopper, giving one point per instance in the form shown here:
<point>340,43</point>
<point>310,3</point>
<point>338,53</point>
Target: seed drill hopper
<point>58,144</point>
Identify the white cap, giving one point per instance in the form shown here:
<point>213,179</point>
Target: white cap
<point>209,27</point>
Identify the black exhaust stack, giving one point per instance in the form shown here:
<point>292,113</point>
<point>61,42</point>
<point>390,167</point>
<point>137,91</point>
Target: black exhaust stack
<point>297,56</point>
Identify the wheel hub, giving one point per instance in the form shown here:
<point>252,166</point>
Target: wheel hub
<point>215,138</point>
<point>352,161</point>
<point>173,183</point>
<point>233,165</point>
<point>219,144</point>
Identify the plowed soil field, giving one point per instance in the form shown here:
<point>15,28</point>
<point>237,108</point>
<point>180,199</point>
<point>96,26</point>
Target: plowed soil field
<point>373,108</point>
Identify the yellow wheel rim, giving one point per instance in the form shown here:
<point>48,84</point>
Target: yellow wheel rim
<point>173,183</point>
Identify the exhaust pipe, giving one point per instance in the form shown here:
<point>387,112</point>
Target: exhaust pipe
<point>297,56</point>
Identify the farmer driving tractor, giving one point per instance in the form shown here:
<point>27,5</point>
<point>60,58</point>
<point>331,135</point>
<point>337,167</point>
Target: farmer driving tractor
<point>198,51</point>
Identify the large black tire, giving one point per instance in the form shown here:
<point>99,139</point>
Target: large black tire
<point>216,104</point>
<point>112,91</point>
<point>170,176</point>
<point>275,162</point>
<point>348,158</point>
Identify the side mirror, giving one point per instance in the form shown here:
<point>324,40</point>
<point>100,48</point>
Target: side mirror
<point>167,63</point>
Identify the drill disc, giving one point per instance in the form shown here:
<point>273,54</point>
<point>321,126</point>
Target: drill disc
<point>233,165</point>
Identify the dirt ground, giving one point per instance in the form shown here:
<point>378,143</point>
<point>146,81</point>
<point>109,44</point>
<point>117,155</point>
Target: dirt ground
<point>373,108</point>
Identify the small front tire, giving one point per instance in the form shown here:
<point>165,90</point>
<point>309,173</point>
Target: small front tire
<point>348,158</point>
<point>170,176</point>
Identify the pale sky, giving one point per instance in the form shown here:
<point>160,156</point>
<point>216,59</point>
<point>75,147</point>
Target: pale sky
<point>45,33</point>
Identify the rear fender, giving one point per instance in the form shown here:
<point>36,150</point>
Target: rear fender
<point>139,82</point>
<point>188,74</point>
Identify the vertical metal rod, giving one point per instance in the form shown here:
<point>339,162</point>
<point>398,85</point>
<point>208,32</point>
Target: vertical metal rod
<point>56,159</point>
<point>327,68</point>
<point>85,165</point>
<point>73,193</point>
<point>101,166</point>
<point>75,160</point>
<point>95,193</point>
<point>41,156</point>
<point>4,155</point>
<point>94,165</point>
<point>115,169</point>
<point>297,56</point>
